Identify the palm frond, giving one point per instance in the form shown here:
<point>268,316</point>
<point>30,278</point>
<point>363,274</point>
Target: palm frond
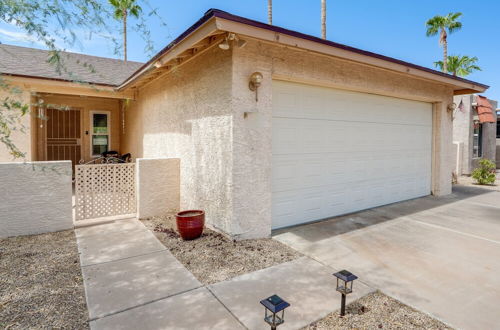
<point>125,6</point>
<point>459,65</point>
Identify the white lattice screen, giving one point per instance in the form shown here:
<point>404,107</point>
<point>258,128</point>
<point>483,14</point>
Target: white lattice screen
<point>104,190</point>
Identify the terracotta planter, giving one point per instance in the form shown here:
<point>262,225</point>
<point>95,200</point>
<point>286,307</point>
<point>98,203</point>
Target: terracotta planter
<point>190,223</point>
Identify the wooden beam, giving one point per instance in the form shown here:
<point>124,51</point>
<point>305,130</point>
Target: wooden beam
<point>196,36</point>
<point>174,64</point>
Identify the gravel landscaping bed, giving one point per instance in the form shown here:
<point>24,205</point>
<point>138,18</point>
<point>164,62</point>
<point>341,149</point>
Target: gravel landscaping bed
<point>41,285</point>
<point>378,311</point>
<point>213,257</point>
<point>469,181</point>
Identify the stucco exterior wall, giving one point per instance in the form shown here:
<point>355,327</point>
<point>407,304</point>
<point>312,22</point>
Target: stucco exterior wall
<point>85,104</point>
<point>204,114</point>
<point>252,154</point>
<point>158,186</point>
<point>188,115</point>
<point>38,198</point>
<point>21,137</point>
<point>463,130</point>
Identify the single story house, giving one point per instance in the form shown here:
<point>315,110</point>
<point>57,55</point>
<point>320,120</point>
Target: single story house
<point>272,127</point>
<point>474,131</point>
<point>498,139</point>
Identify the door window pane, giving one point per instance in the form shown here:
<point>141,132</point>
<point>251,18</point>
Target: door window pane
<point>99,144</point>
<point>100,123</point>
<point>100,133</point>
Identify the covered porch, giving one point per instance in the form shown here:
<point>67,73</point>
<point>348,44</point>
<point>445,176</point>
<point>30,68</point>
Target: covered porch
<point>75,127</point>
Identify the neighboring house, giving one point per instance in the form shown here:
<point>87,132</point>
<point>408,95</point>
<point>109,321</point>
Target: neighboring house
<point>474,131</point>
<point>331,130</point>
<point>498,138</point>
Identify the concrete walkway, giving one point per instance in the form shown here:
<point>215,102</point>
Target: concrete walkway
<point>133,282</point>
<point>439,255</point>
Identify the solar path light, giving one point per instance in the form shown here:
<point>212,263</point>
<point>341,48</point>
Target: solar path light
<point>345,280</point>
<point>274,311</point>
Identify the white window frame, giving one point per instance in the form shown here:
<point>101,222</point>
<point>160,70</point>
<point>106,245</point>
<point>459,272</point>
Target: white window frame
<point>92,112</point>
<point>479,139</point>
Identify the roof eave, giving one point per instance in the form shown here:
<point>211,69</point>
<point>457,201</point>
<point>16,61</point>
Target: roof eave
<point>218,21</point>
<point>204,27</point>
<point>64,86</point>
<point>270,33</point>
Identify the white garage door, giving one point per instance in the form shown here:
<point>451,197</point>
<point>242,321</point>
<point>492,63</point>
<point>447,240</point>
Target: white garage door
<point>336,152</point>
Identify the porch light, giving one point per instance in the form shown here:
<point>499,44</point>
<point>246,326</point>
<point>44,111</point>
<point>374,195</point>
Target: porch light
<point>345,280</point>
<point>232,38</point>
<point>224,45</point>
<point>255,82</point>
<point>273,306</point>
<point>451,107</point>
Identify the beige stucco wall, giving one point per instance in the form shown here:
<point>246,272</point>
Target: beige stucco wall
<point>21,137</point>
<point>187,115</point>
<point>38,199</point>
<point>252,132</point>
<point>86,104</point>
<point>204,114</point>
<point>158,186</point>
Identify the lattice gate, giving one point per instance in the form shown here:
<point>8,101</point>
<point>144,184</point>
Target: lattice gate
<point>104,190</point>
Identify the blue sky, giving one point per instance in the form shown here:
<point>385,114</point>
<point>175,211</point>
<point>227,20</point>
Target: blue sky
<point>389,27</point>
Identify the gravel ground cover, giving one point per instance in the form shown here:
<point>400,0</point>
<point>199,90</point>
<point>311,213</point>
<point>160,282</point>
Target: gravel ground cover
<point>378,311</point>
<point>469,181</point>
<point>213,257</point>
<point>41,285</point>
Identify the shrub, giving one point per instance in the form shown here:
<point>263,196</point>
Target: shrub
<point>485,173</point>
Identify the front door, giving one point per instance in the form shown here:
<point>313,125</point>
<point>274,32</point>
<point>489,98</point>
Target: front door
<point>64,135</point>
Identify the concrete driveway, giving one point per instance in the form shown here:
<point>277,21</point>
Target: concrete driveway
<point>439,255</point>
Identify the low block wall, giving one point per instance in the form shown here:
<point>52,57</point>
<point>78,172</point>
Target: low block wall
<point>35,198</point>
<point>158,186</point>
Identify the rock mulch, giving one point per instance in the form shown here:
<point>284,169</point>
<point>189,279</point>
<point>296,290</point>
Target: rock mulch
<point>378,311</point>
<point>469,181</point>
<point>41,284</point>
<point>213,257</point>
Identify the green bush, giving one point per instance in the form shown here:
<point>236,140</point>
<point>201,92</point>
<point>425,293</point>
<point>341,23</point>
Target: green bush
<point>485,173</point>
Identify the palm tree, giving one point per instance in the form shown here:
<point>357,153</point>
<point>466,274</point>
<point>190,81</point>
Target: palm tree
<point>270,11</point>
<point>123,8</point>
<point>444,25</point>
<point>323,19</point>
<point>459,65</point>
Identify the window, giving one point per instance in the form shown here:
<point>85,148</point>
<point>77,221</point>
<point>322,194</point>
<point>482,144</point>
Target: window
<point>100,139</point>
<point>498,124</point>
<point>477,143</point>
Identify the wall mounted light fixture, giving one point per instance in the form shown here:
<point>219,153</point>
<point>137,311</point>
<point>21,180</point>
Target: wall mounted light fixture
<point>451,107</point>
<point>255,82</point>
<point>232,39</point>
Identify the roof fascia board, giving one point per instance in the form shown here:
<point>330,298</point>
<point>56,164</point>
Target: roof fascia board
<point>40,85</point>
<point>174,50</point>
<point>292,41</point>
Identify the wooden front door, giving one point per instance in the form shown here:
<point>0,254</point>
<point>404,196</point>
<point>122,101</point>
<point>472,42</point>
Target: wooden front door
<point>64,135</point>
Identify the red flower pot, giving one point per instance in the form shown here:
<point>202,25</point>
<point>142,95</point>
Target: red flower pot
<point>190,223</point>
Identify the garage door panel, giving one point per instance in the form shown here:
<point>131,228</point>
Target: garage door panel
<point>336,152</point>
<point>341,105</point>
